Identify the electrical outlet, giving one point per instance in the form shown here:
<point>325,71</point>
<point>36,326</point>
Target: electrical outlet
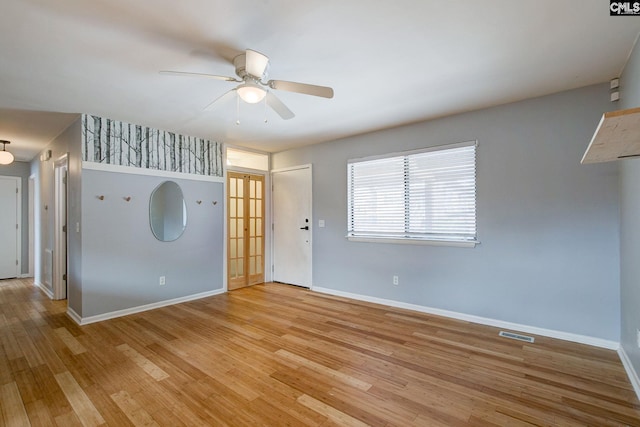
<point>162,280</point>
<point>395,280</point>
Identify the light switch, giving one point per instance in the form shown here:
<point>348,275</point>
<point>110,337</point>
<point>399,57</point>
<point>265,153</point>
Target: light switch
<point>321,223</point>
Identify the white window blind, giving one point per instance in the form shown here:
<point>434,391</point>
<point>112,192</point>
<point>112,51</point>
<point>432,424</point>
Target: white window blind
<point>422,195</point>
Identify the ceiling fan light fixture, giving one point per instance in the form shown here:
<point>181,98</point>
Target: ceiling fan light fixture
<point>6,158</point>
<point>251,93</point>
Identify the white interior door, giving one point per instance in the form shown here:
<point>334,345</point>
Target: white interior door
<point>9,228</point>
<point>292,226</point>
<point>60,231</point>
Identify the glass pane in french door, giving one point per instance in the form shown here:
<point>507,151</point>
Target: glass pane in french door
<point>235,247</point>
<point>245,230</point>
<point>256,214</point>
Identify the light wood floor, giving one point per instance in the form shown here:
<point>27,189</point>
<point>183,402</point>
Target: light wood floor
<point>277,355</point>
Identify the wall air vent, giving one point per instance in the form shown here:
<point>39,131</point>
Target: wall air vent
<point>516,336</point>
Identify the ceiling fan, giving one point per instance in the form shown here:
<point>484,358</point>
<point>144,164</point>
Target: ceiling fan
<point>251,69</point>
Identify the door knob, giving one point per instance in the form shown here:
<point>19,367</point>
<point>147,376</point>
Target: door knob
<point>306,227</point>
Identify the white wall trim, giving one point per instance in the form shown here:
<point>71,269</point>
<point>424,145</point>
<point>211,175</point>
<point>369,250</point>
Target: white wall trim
<point>631,372</point>
<point>292,168</point>
<point>74,316</point>
<point>125,312</point>
<point>410,241</point>
<point>44,289</point>
<point>24,276</point>
<point>582,339</point>
<point>31,222</point>
<point>149,172</point>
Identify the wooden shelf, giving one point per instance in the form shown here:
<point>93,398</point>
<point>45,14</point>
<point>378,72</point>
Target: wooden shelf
<point>617,137</point>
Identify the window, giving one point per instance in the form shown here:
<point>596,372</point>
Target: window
<point>419,196</point>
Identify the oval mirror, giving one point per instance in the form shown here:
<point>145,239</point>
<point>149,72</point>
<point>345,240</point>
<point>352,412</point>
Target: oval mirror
<point>167,212</point>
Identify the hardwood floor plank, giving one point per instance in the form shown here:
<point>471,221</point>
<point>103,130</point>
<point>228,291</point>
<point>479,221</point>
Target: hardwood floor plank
<point>145,364</point>
<point>82,405</point>
<point>109,410</point>
<point>281,396</point>
<point>69,419</point>
<point>271,414</point>
<point>9,343</point>
<point>39,414</point>
<point>280,355</point>
<point>70,341</point>
<point>163,396</point>
<point>135,413</point>
<point>12,406</point>
<point>153,328</point>
<point>56,402</point>
<point>333,414</point>
<point>346,379</point>
<point>42,339</point>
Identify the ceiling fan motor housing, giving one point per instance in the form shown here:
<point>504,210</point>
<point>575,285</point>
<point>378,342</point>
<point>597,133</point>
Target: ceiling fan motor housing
<point>240,63</point>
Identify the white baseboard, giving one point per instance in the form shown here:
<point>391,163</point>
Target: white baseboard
<point>73,315</point>
<point>24,276</point>
<point>125,312</point>
<point>582,339</point>
<point>631,372</point>
<point>44,289</point>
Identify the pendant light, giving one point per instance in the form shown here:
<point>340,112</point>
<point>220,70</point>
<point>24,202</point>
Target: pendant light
<point>6,158</point>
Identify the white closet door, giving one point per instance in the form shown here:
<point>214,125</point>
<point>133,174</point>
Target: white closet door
<point>9,232</point>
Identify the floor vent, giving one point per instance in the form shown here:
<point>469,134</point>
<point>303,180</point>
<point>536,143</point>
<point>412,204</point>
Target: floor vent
<point>516,336</point>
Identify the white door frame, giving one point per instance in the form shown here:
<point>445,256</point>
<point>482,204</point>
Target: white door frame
<point>60,264</point>
<point>18,182</point>
<point>32,226</point>
<point>273,235</point>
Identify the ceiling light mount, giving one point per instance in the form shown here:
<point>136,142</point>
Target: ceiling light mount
<point>6,158</point>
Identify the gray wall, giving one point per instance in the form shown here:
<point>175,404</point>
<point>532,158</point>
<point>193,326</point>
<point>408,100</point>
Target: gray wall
<point>68,142</point>
<point>122,260</point>
<point>22,170</point>
<point>114,260</point>
<point>549,255</point>
<point>630,221</point>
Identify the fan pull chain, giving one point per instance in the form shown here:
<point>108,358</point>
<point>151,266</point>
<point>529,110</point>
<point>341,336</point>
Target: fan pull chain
<point>265,108</point>
<point>237,110</point>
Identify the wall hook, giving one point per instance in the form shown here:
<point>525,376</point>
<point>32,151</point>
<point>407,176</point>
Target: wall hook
<point>198,201</point>
<point>128,198</point>
<point>215,202</point>
<point>101,197</point>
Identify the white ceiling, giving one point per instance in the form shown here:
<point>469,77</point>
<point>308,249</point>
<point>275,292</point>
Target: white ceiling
<point>389,62</point>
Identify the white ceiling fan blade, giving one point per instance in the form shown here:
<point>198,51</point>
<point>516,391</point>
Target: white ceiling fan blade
<point>307,89</point>
<point>220,99</point>
<point>209,76</point>
<point>256,63</point>
<point>277,105</point>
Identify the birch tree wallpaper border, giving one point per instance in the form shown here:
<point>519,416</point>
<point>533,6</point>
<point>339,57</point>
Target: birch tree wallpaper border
<point>114,142</point>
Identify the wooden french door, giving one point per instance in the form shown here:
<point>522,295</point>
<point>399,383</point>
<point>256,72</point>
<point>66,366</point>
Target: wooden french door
<point>245,227</point>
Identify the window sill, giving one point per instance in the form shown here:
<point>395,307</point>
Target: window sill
<point>423,242</point>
